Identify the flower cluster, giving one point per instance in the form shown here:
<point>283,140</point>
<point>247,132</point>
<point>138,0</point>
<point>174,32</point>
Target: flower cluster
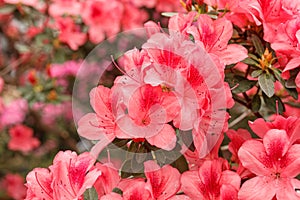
<point>203,104</point>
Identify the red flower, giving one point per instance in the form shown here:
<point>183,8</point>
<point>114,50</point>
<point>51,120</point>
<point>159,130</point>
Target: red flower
<point>14,186</point>
<point>275,162</point>
<point>68,177</point>
<point>291,125</point>
<point>22,139</point>
<point>211,182</point>
<point>163,183</point>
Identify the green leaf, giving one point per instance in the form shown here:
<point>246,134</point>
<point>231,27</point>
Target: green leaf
<point>271,103</point>
<point>266,84</point>
<point>90,194</point>
<point>254,57</point>
<point>239,83</point>
<point>256,103</point>
<point>250,61</point>
<point>256,73</point>
<point>7,9</point>
<point>259,47</point>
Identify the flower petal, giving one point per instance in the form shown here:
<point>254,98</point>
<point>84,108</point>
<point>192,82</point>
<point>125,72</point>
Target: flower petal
<point>258,188</point>
<point>251,155</point>
<point>165,139</point>
<point>164,182</point>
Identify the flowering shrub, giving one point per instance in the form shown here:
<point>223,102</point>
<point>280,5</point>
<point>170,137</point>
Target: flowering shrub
<point>193,100</point>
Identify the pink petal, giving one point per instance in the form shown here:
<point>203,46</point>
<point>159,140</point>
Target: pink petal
<point>251,155</point>
<point>210,174</point>
<point>258,188</point>
<point>292,64</point>
<point>134,189</point>
<point>259,127</point>
<point>228,192</point>
<point>164,182</point>
<point>292,168</point>
<point>111,196</point>
<point>151,28</point>
<point>100,100</point>
<point>165,139</point>
<point>181,22</point>
<point>231,178</point>
<point>224,30</point>
<point>179,197</point>
<point>276,142</point>
<point>39,182</point>
<point>88,127</point>
<point>96,34</point>
<point>286,189</point>
<point>232,54</point>
<point>108,180</point>
<point>191,184</point>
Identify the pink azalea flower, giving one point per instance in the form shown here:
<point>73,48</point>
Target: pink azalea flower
<point>291,125</point>
<point>214,36</point>
<point>237,138</point>
<point>239,12</point>
<point>14,186</point>
<point>68,177</point>
<point>211,182</point>
<point>13,113</point>
<point>72,174</point>
<point>60,7</point>
<point>68,68</point>
<point>108,180</point>
<point>95,15</point>
<point>133,17</point>
<point>168,6</point>
<point>22,139</point>
<point>69,32</point>
<point>195,159</point>
<point>163,183</point>
<point>275,162</point>
<point>148,114</point>
<point>100,125</point>
<point>174,60</point>
<point>134,189</point>
<point>39,184</point>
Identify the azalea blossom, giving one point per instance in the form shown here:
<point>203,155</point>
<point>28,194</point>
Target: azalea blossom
<point>290,125</point>
<point>163,183</point>
<point>13,184</point>
<point>13,112</point>
<point>94,14</point>
<point>22,139</point>
<point>60,7</point>
<point>101,125</point>
<point>108,180</point>
<point>275,162</point>
<point>69,32</point>
<point>68,177</point>
<point>212,181</point>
